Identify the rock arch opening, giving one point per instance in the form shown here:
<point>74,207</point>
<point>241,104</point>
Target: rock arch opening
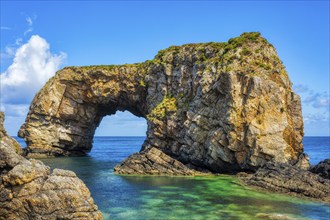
<point>119,136</point>
<point>122,123</point>
<point>73,103</point>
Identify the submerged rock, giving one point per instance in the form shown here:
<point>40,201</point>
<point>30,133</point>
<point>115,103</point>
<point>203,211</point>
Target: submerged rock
<point>322,169</point>
<point>284,178</point>
<point>29,190</point>
<point>274,216</point>
<point>224,107</point>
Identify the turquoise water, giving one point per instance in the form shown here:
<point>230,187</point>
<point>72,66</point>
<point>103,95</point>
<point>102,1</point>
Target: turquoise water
<point>217,197</point>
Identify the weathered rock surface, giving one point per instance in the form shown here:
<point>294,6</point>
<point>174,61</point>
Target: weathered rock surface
<point>221,106</point>
<point>284,178</point>
<point>29,190</point>
<point>153,162</point>
<point>7,139</point>
<point>322,169</point>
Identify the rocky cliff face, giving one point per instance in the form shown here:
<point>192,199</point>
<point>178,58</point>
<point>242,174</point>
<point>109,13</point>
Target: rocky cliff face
<point>220,106</point>
<point>29,190</point>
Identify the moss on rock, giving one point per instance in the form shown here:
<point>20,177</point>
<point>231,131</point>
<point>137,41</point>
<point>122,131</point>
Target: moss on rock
<point>167,106</point>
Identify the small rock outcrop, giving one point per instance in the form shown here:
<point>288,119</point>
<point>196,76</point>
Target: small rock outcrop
<point>153,162</point>
<point>322,169</point>
<point>29,190</point>
<point>224,107</point>
<point>284,178</point>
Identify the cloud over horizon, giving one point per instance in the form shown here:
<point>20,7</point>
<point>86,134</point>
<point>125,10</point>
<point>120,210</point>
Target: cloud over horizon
<point>32,66</point>
<point>310,97</point>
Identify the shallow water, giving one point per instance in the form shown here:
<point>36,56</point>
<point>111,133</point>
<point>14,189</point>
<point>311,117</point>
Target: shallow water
<point>217,197</point>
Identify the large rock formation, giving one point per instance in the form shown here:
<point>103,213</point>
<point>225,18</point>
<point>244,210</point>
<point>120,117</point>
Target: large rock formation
<point>220,106</point>
<point>29,190</point>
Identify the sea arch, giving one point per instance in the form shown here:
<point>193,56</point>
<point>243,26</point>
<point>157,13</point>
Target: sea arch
<point>216,106</point>
<point>68,109</point>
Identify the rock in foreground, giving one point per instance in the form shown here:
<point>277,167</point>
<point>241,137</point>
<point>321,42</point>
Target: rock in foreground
<point>225,106</point>
<point>284,178</point>
<point>7,139</point>
<point>322,169</point>
<point>29,190</point>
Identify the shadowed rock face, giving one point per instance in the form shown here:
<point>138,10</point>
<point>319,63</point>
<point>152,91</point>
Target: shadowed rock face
<point>220,106</point>
<point>322,169</point>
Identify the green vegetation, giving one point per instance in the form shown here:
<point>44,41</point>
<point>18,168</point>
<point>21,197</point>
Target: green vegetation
<point>243,39</point>
<point>168,105</point>
<point>263,65</point>
<point>142,83</point>
<point>221,48</point>
<point>91,67</point>
<point>245,52</point>
<point>201,54</point>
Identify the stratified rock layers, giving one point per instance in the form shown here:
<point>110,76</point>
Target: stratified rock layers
<point>29,190</point>
<point>288,179</point>
<point>154,162</point>
<point>220,106</point>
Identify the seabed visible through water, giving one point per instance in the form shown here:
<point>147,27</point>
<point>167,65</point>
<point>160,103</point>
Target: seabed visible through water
<point>151,197</point>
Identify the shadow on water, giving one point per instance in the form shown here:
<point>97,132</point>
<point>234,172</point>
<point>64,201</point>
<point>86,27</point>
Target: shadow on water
<point>145,197</point>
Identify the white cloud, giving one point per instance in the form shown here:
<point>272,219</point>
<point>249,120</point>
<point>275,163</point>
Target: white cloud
<point>9,53</point>
<point>28,31</point>
<point>317,124</point>
<point>18,41</point>
<point>29,21</point>
<point>5,28</point>
<point>300,88</point>
<point>316,118</point>
<point>32,66</point>
<point>2,107</point>
<point>18,110</point>
<point>313,98</point>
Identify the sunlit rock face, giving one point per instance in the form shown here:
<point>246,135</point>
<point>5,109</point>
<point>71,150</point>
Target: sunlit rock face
<point>218,106</point>
<point>30,190</point>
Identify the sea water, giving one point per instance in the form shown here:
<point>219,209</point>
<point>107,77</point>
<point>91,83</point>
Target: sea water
<point>213,197</point>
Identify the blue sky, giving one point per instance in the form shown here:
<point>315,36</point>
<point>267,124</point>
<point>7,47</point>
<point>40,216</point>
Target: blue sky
<point>38,38</point>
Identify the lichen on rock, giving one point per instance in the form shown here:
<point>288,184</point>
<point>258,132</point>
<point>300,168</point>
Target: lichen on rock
<point>163,109</point>
<point>224,107</point>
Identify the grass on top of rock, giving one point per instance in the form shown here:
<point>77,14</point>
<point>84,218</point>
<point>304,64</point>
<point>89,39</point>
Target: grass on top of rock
<point>201,51</point>
<point>224,53</point>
